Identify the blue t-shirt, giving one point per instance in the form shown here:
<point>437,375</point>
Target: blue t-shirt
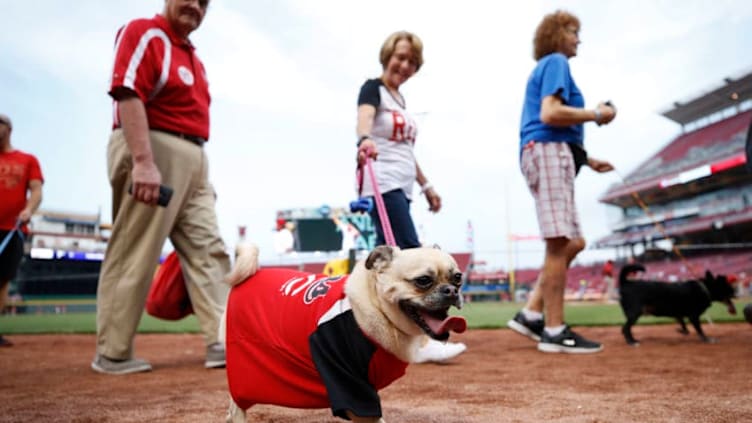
<point>551,76</point>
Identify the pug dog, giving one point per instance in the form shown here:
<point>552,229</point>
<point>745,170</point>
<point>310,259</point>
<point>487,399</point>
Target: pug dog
<point>303,340</point>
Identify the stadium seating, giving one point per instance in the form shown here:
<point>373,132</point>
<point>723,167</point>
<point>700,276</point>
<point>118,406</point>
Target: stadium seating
<point>711,143</point>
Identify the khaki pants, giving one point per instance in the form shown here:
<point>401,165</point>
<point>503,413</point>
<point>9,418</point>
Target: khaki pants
<point>139,232</point>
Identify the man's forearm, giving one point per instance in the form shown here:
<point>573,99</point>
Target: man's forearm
<point>33,202</point>
<point>136,129</point>
<point>35,199</point>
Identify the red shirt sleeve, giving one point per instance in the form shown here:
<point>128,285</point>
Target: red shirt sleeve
<point>35,171</point>
<point>139,54</point>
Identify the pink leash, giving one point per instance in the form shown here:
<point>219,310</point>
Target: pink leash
<point>380,207</point>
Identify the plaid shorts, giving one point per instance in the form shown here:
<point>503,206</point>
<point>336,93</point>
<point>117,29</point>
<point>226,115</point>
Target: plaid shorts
<point>548,168</point>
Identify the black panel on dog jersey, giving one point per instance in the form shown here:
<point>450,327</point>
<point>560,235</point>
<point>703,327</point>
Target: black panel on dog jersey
<point>343,361</point>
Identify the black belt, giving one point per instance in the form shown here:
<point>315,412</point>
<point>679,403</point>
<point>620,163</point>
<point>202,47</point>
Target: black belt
<point>192,138</point>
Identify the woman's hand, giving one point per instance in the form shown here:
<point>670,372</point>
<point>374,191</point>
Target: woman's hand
<point>600,166</point>
<point>367,148</point>
<point>433,198</point>
<point>605,113</point>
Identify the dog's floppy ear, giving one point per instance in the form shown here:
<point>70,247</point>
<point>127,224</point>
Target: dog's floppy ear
<point>380,258</point>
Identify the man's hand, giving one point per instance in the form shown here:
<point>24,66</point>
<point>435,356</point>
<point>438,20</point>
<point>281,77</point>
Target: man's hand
<point>25,216</point>
<point>146,180</point>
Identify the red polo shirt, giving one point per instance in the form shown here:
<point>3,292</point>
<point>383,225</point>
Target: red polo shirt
<point>164,71</point>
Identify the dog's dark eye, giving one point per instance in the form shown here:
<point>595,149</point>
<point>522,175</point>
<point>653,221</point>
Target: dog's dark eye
<point>457,278</point>
<point>423,282</point>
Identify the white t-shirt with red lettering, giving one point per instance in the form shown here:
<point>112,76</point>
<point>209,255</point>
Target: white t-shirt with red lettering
<point>393,132</point>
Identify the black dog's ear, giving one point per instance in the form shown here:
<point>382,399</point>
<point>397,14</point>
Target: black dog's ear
<point>380,258</point>
<point>708,275</point>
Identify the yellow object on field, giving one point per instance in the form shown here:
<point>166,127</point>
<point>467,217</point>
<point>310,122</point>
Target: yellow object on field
<point>336,267</point>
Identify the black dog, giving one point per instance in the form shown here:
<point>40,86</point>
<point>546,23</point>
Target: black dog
<point>678,300</point>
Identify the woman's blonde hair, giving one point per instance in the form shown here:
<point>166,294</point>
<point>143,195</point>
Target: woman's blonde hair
<point>387,49</point>
<point>549,36</point>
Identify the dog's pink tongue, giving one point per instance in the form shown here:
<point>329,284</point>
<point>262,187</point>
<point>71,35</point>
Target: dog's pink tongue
<point>730,307</point>
<point>456,324</point>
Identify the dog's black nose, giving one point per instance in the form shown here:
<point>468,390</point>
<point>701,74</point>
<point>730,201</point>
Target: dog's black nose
<point>448,291</point>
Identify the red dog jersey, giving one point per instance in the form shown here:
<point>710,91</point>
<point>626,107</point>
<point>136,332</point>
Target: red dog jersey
<point>292,340</point>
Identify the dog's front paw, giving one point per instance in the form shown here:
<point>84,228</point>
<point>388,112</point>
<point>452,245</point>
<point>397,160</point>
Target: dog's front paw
<point>683,331</point>
<point>710,340</point>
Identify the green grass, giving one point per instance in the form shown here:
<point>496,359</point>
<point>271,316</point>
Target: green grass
<point>493,315</point>
<point>86,323</point>
<point>488,315</point>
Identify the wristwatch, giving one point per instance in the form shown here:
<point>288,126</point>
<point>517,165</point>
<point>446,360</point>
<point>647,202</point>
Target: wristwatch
<point>363,138</point>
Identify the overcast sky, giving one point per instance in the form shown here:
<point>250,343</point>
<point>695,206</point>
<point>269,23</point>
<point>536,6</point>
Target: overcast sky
<point>285,74</point>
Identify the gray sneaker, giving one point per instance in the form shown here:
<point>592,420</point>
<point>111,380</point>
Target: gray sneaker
<point>215,356</point>
<point>109,366</point>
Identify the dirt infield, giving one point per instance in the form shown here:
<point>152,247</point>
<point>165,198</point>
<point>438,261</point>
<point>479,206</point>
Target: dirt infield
<point>501,378</point>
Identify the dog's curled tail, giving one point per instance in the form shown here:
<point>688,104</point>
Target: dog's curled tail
<point>627,270</point>
<point>246,264</point>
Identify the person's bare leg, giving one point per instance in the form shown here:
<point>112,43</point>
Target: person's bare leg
<point>535,299</point>
<point>552,280</point>
<point>3,295</point>
<point>570,250</point>
<point>559,254</point>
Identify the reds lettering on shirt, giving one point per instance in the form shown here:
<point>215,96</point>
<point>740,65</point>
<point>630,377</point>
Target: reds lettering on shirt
<point>12,174</point>
<point>403,130</point>
<point>165,73</point>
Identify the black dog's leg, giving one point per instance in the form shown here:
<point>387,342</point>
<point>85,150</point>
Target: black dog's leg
<point>627,329</point>
<point>696,323</point>
<point>683,329</point>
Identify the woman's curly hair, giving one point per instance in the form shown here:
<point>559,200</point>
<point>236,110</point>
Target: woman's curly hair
<point>549,36</point>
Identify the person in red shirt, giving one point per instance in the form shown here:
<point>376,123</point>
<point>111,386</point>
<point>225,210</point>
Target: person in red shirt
<point>21,192</point>
<point>160,124</point>
<point>608,277</point>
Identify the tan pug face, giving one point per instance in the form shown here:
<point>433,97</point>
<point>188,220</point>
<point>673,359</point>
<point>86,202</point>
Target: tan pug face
<point>416,287</point>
